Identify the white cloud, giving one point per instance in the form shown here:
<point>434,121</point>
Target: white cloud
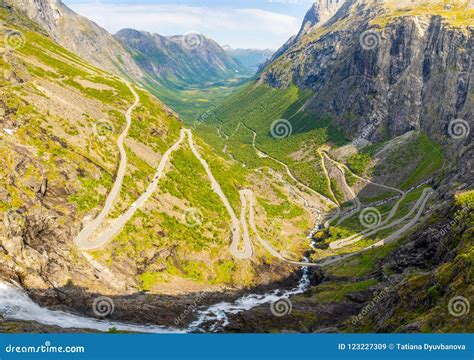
<point>238,27</point>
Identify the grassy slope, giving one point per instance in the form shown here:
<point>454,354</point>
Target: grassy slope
<point>183,231</point>
<point>434,290</point>
<point>454,12</point>
<point>48,134</point>
<point>82,164</point>
<point>157,245</point>
<point>258,107</point>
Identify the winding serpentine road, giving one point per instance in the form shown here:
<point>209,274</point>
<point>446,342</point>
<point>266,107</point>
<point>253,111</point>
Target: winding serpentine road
<point>247,193</point>
<point>421,203</point>
<point>355,238</point>
<point>393,237</point>
<point>343,242</point>
<point>236,231</point>
<point>338,208</point>
<point>397,204</point>
<point>121,221</point>
<point>287,169</point>
<point>82,240</point>
<point>355,198</point>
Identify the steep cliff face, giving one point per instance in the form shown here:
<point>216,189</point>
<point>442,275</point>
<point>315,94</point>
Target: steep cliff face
<point>384,67</point>
<point>190,58</point>
<point>80,35</point>
<point>316,16</point>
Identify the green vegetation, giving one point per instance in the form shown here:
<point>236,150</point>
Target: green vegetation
<point>194,102</point>
<point>152,125</point>
<point>285,210</point>
<point>420,158</point>
<point>363,264</point>
<point>465,199</point>
<point>189,182</point>
<point>337,191</point>
<point>358,163</point>
<point>184,221</point>
<point>350,178</point>
<point>88,198</point>
<point>256,108</point>
<point>336,291</point>
<point>454,12</point>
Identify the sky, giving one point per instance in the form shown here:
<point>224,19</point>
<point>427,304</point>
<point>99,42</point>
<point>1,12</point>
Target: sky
<point>257,24</point>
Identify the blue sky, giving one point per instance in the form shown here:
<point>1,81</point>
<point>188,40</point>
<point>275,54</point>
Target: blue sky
<point>261,24</point>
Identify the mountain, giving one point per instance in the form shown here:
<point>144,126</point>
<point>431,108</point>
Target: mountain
<point>352,150</point>
<point>80,36</point>
<point>386,67</point>
<point>184,59</point>
<point>79,145</point>
<point>319,13</point>
<point>252,59</point>
<point>190,72</point>
<point>384,89</point>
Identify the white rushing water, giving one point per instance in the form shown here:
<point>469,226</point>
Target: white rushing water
<point>216,316</point>
<point>15,304</point>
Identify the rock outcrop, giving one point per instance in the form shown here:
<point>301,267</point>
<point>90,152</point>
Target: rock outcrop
<point>374,67</point>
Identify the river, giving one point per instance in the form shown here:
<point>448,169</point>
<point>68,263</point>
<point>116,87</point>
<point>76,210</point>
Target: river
<point>15,304</point>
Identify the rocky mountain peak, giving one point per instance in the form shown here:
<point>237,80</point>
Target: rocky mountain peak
<point>388,48</point>
<point>318,14</point>
<point>190,58</point>
<point>46,12</point>
<point>79,35</point>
